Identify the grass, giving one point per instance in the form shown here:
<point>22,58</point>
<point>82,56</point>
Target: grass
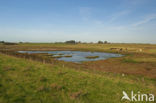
<point>92,57</point>
<point>146,48</point>
<point>57,56</point>
<point>27,81</point>
<point>135,62</point>
<point>127,60</point>
<point>60,54</point>
<point>67,56</point>
<point>139,60</point>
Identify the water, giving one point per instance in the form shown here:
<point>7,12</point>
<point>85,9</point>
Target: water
<point>77,56</point>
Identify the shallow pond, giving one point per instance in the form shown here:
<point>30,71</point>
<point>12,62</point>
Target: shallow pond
<point>76,56</point>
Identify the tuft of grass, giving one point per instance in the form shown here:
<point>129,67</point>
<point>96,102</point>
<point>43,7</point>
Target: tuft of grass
<point>43,79</point>
<point>76,95</point>
<point>57,56</point>
<point>56,86</point>
<point>8,68</point>
<point>145,60</point>
<point>43,89</point>
<point>128,60</point>
<point>92,57</point>
<point>60,54</point>
<point>68,56</point>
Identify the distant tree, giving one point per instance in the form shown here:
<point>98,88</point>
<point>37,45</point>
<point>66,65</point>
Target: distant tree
<point>100,42</point>
<point>9,43</point>
<point>71,42</point>
<point>2,42</point>
<point>105,42</point>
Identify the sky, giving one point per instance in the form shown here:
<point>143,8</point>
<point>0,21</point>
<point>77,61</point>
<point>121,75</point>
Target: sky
<point>118,21</point>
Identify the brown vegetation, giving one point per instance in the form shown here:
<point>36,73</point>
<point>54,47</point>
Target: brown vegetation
<point>139,59</point>
<point>92,57</point>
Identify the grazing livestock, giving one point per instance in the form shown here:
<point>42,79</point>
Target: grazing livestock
<point>139,50</point>
<point>119,49</point>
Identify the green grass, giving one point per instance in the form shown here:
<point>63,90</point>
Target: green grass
<point>131,48</point>
<point>26,81</point>
<point>139,60</point>
<point>92,57</point>
<point>129,60</point>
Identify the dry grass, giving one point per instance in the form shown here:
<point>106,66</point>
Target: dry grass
<point>92,57</point>
<point>134,62</point>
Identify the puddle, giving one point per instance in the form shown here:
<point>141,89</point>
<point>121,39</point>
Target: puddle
<point>76,56</point>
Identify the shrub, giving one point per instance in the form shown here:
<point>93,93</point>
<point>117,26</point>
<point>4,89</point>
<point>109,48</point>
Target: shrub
<point>100,42</point>
<point>71,42</point>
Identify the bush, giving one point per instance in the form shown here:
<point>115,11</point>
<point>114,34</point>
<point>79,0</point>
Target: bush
<point>100,42</point>
<point>105,42</point>
<point>2,42</point>
<point>71,42</point>
<point>8,43</point>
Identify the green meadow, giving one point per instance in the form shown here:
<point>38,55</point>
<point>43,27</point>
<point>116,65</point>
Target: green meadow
<point>29,81</point>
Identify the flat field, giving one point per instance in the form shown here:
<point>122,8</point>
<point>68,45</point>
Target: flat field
<point>29,81</point>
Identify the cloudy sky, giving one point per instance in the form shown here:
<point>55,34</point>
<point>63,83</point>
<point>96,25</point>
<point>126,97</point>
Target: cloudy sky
<point>129,21</point>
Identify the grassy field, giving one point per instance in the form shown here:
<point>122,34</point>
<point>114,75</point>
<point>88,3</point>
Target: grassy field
<point>148,48</point>
<point>29,81</point>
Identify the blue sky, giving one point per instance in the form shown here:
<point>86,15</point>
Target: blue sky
<point>128,21</point>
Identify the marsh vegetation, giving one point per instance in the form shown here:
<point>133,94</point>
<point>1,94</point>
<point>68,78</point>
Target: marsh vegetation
<point>75,56</point>
<point>37,77</point>
<point>92,57</point>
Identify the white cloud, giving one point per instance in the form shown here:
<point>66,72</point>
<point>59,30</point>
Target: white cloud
<point>145,20</point>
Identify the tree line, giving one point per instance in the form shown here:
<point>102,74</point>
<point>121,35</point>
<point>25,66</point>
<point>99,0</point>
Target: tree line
<point>66,42</point>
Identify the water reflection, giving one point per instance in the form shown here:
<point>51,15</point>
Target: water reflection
<point>76,56</point>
